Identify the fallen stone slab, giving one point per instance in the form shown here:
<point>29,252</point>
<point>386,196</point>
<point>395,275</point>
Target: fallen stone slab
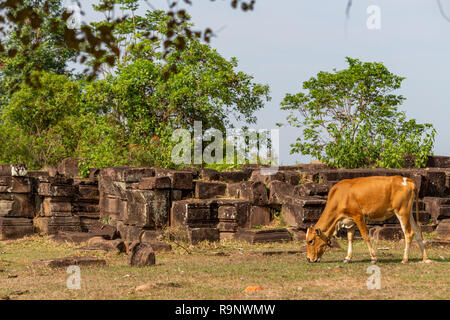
<point>76,237</point>
<point>158,246</point>
<point>262,236</point>
<point>117,245</point>
<point>65,262</point>
<point>141,255</point>
<point>279,252</point>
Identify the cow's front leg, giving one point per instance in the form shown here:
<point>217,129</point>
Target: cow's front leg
<point>365,234</point>
<point>350,234</point>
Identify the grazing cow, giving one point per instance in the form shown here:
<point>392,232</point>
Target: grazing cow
<point>352,201</point>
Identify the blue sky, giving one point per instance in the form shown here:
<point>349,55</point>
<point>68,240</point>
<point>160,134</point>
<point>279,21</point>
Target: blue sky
<point>283,43</point>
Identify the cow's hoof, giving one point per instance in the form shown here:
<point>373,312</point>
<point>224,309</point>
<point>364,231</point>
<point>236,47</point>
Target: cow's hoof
<point>404,261</point>
<point>373,262</point>
<point>347,261</point>
<point>426,261</point>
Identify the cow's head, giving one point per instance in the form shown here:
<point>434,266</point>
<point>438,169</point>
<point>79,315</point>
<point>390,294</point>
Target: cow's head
<point>316,244</point>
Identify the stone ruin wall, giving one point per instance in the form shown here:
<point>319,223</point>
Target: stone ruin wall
<point>137,204</point>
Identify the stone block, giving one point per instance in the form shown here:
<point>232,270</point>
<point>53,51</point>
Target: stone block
<point>259,216</point>
<point>302,212</point>
<point>66,262</point>
<point>117,246</point>
<point>312,189</point>
<point>154,183</point>
<point>255,192</point>
<point>197,235</point>
<point>193,213</point>
<point>17,205</point>
<point>443,229</point>
<point>262,236</point>
<point>141,255</point>
<point>69,167</point>
<point>439,208</point>
<point>15,228</point>
<point>51,225</point>
<point>206,189</point>
<point>279,192</point>
<point>147,208</point>
<point>388,233</point>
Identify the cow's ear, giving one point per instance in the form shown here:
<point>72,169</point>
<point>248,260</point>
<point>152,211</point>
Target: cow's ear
<point>318,232</point>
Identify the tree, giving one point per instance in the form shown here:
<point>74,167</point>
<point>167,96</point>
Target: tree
<point>350,118</point>
<point>146,103</point>
<point>33,48</point>
<point>37,125</point>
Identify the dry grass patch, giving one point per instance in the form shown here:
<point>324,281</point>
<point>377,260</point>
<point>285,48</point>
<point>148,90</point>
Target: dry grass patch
<point>223,271</point>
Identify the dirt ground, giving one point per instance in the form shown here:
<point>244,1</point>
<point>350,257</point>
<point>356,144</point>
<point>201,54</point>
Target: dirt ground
<point>224,271</point>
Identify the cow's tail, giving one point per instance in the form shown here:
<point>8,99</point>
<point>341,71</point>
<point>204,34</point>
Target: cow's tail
<point>416,193</point>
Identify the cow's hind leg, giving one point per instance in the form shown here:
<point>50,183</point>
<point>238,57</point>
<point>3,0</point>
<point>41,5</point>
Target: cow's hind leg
<point>419,239</point>
<point>365,234</point>
<point>350,234</point>
<point>405,222</point>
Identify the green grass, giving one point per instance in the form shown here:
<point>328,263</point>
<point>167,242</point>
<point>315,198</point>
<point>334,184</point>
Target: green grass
<point>223,271</point>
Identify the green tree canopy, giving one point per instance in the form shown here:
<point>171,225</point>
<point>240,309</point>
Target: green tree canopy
<point>350,118</point>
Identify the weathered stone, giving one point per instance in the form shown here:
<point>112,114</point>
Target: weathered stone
<point>257,176</point>
<point>234,176</point>
<point>111,206</point>
<point>182,180</point>
<point>302,212</point>
<point>141,255</point>
<point>53,206</point>
<point>52,190</point>
<point>312,189</point>
<point>66,262</point>
<point>108,232</point>
<point>227,226</point>
<point>209,175</point>
<point>147,208</point>
<point>193,213</point>
<point>76,237</point>
<point>292,177</point>
<point>279,192</point>
<point>259,216</point>
<point>242,208</point>
<point>154,183</point>
<point>197,235</point>
<point>129,233</point>
<point>439,208</point>
<point>69,167</point>
<point>86,209</point>
<point>388,233</point>
<point>255,192</point>
<point>51,225</point>
<point>158,246</point>
<point>205,190</point>
<point>100,243</point>
<point>15,228</point>
<point>17,205</point>
<point>438,162</point>
<point>149,236</point>
<point>126,174</point>
<point>87,192</point>
<point>443,229</point>
<point>262,236</point>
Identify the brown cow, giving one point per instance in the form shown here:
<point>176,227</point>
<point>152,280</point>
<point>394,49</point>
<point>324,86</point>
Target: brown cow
<point>352,201</point>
